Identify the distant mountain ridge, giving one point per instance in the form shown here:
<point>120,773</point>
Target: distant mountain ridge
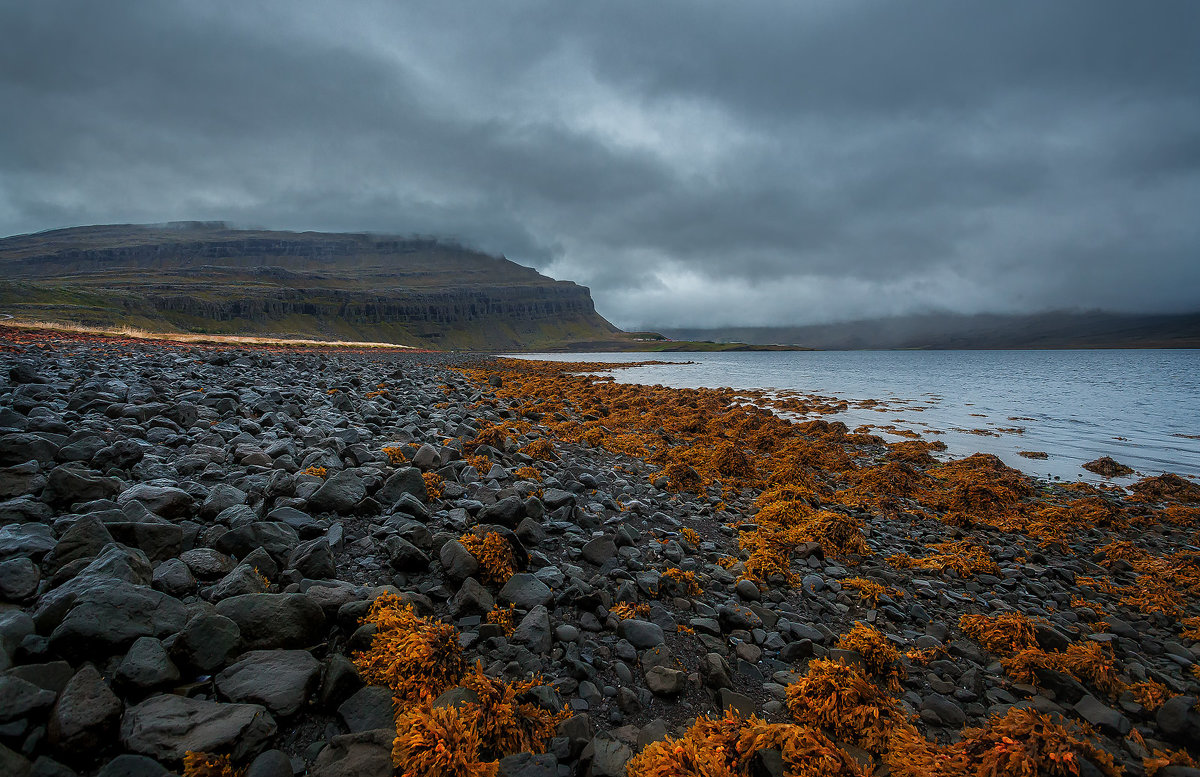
<point>208,277</point>
<point>947,331</point>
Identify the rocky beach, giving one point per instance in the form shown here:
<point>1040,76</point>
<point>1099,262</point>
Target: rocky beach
<point>336,562</point>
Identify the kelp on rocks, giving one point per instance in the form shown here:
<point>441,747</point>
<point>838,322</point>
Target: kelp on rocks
<point>794,489</point>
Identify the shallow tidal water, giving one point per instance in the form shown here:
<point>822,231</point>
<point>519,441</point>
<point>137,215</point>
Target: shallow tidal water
<point>1141,407</point>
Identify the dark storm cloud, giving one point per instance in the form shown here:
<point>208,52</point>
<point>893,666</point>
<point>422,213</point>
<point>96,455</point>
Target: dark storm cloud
<point>748,163</point>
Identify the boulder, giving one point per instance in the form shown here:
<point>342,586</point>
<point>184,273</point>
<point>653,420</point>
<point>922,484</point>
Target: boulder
<point>85,717</point>
<point>25,540</point>
<point>314,559</point>
<point>72,483</point>
<point>534,630</point>
<point>641,634</point>
<point>277,539</point>
<point>457,561</point>
<point>275,620</point>
<point>221,497</point>
<point>507,512</point>
<point>364,754</point>
<point>19,578</point>
<point>407,480</point>
<point>85,538</point>
<point>404,556</point>
<point>280,680</point>
<point>174,578</point>
<point>105,619</point>
<point>146,666</point>
<point>21,698</point>
<point>165,727</point>
<point>21,447</point>
<point>130,765</point>
<point>21,479</point>
<point>206,643</point>
<point>338,494</point>
<point>369,708</point>
<point>525,591</point>
<point>122,454</point>
<point>167,501</point>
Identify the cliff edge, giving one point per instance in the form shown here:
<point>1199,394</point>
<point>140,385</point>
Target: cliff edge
<point>207,277</point>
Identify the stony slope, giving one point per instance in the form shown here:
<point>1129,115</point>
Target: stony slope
<point>189,540</point>
<point>207,277</point>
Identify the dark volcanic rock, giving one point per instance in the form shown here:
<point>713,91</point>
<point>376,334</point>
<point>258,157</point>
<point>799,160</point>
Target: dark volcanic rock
<point>338,494</point>
<point>278,539</point>
<point>105,619</point>
<point>280,680</point>
<point>206,643</point>
<point>364,754</point>
<point>165,727</point>
<point>72,483</point>
<point>85,717</point>
<point>275,620</point>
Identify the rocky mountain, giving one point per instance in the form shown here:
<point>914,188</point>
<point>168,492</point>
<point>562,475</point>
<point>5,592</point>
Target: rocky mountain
<point>208,277</point>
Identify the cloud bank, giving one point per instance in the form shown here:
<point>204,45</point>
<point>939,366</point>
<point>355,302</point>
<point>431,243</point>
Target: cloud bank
<point>696,164</point>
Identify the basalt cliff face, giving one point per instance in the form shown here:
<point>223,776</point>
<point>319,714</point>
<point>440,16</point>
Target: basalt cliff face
<point>207,277</point>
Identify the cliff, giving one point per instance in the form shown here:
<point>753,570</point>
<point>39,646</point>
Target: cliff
<point>209,278</point>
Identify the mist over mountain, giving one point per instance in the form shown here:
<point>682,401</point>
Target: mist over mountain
<point>1060,329</point>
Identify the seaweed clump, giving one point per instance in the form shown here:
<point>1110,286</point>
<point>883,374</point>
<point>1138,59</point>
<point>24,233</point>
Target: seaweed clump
<point>494,552</point>
<point>729,746</point>
<point>879,655</point>
<point>419,660</point>
<point>416,657</point>
<point>1007,632</point>
<point>962,556</point>
<point>200,764</point>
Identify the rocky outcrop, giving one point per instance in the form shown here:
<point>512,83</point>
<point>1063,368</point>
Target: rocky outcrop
<point>207,277</point>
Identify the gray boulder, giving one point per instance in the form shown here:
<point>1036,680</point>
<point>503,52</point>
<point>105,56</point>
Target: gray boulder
<point>525,591</point>
<point>72,483</point>
<point>21,447</point>
<point>146,666</point>
<point>21,698</point>
<point>641,634</point>
<point>365,754</point>
<point>280,680</point>
<point>221,497</point>
<point>534,630</point>
<point>457,561</point>
<point>105,619</point>
<point>25,540</point>
<point>165,727</point>
<point>404,481</point>
<point>368,708</point>
<point>275,620</point>
<point>85,717</point>
<point>278,539</point>
<point>206,643</point>
<point>339,494</point>
<point>167,501</point>
<point>314,559</point>
<point>19,578</point>
<point>21,479</point>
<point>404,556</point>
<point>174,578</point>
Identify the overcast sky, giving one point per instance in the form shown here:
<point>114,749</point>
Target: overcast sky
<point>693,163</point>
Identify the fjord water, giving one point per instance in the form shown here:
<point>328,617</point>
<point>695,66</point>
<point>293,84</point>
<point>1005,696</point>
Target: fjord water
<point>1132,405</point>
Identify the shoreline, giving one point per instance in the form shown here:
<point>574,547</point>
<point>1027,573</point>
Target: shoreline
<point>669,553</point>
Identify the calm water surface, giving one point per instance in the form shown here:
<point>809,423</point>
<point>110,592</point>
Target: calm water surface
<point>1073,405</point>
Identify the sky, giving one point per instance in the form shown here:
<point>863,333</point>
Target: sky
<point>695,164</point>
